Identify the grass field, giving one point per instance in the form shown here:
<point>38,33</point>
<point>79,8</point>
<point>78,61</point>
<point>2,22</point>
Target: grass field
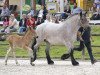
<point>57,51</point>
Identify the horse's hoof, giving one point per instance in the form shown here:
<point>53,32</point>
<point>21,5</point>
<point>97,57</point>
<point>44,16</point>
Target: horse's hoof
<point>5,63</point>
<point>75,63</point>
<point>18,64</point>
<point>51,62</point>
<point>32,60</point>
<point>32,64</point>
<point>65,56</point>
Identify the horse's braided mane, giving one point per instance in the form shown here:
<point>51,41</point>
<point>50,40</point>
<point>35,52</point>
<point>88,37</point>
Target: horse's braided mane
<point>71,16</point>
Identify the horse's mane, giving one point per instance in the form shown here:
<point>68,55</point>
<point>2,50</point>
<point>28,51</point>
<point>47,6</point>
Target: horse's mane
<point>66,20</point>
<point>72,15</point>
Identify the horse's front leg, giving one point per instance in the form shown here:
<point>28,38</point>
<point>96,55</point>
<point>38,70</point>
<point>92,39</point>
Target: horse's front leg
<point>6,57</point>
<point>70,53</point>
<point>47,53</point>
<point>14,55</point>
<point>74,62</point>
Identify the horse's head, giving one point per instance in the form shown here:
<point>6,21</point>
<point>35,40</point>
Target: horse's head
<point>83,20</point>
<point>30,29</point>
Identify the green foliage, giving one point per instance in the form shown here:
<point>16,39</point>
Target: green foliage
<point>26,7</point>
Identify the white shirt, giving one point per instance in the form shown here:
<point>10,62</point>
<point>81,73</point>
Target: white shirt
<point>15,23</point>
<point>76,10</point>
<point>40,13</point>
<point>96,1</point>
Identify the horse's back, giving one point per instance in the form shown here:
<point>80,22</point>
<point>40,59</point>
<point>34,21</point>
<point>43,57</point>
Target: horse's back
<point>12,38</point>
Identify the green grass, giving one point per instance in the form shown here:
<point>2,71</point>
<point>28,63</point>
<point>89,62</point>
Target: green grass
<point>57,51</point>
<point>95,29</point>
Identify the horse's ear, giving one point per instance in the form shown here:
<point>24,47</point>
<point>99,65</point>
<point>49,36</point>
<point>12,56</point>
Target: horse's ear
<point>85,13</point>
<point>81,14</point>
<point>29,28</point>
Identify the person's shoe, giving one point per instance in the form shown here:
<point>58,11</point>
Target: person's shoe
<point>94,61</point>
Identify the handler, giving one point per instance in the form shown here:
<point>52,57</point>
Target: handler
<point>86,40</point>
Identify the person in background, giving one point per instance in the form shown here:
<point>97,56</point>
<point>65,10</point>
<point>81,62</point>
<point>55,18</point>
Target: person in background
<point>5,24</point>
<point>30,21</point>
<point>97,3</point>
<point>76,9</point>
<point>67,9</point>
<point>22,24</point>
<point>13,24</point>
<point>31,12</point>
<point>45,12</point>
<point>96,14</point>
<point>5,12</point>
<point>40,14</point>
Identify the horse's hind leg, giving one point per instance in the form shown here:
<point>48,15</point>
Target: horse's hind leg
<point>6,57</point>
<point>47,53</point>
<point>14,55</point>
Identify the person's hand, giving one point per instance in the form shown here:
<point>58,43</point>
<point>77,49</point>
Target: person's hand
<point>81,39</point>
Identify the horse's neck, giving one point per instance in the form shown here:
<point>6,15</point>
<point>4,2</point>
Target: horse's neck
<point>72,23</point>
<point>28,36</point>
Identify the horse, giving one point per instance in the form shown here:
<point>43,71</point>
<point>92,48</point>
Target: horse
<point>64,33</point>
<point>21,42</point>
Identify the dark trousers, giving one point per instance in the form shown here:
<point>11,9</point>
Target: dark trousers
<point>88,46</point>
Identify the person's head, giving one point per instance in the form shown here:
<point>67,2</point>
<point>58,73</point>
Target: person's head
<point>12,16</point>
<point>42,7</point>
<point>75,5</point>
<point>24,16</point>
<point>94,5</point>
<point>6,18</point>
<point>4,6</point>
<point>29,16</point>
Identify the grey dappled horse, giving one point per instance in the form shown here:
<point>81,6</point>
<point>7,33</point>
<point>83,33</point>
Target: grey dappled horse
<point>64,33</point>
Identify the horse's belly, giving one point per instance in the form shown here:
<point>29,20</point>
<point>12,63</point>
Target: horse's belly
<point>55,40</point>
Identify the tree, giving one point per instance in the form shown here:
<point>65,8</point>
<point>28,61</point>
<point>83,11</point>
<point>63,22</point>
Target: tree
<point>34,5</point>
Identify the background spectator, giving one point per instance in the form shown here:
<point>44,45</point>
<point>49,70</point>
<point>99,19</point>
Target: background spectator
<point>67,9</point>
<point>5,12</point>
<point>76,9</point>
<point>22,24</point>
<point>96,14</point>
<point>45,11</point>
<point>12,24</point>
<point>32,12</point>
<point>5,24</point>
<point>97,3</point>
<point>30,21</point>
